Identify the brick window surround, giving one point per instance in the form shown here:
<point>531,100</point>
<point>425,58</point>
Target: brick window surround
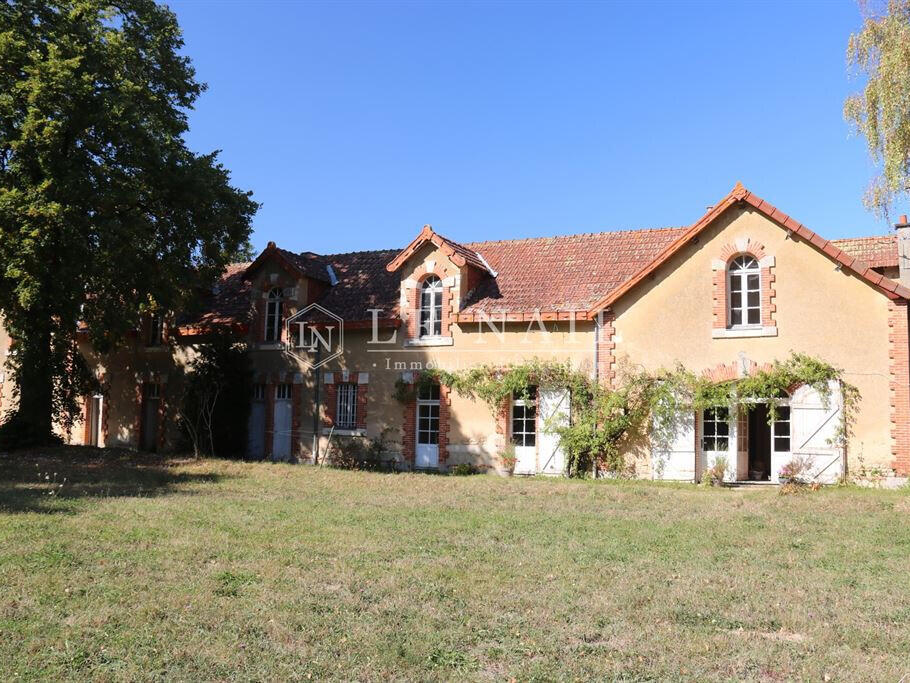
<point>288,303</point>
<point>743,246</point>
<point>899,385</point>
<point>331,380</point>
<point>412,289</point>
<point>409,425</point>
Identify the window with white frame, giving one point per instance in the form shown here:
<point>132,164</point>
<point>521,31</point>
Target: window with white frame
<point>715,434</point>
<point>782,430</point>
<point>273,315</point>
<point>346,407</point>
<point>428,415</point>
<point>155,330</point>
<point>258,393</point>
<point>744,292</point>
<point>283,392</point>
<point>431,307</point>
<point>524,418</point>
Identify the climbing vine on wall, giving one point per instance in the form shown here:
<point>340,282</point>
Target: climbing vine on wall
<point>605,421</point>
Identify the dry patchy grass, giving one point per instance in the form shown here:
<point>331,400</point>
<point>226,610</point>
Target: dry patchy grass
<point>144,569</point>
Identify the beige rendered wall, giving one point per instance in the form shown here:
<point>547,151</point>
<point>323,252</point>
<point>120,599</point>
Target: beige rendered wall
<point>821,311</point>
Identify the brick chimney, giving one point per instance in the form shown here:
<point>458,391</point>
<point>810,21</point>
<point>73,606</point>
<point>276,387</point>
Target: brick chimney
<point>902,228</point>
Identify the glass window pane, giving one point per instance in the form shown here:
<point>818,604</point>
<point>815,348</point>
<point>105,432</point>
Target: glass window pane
<point>736,316</point>
<point>754,299</point>
<point>754,316</point>
<point>781,444</point>
<point>752,282</point>
<point>736,299</point>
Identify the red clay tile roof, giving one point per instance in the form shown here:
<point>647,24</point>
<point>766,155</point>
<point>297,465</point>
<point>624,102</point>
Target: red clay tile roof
<point>458,253</point>
<point>561,273</point>
<point>229,302</point>
<point>586,272</point>
<point>740,194</point>
<point>879,251</point>
<point>363,283</point>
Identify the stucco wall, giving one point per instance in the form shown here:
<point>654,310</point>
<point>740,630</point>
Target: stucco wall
<point>821,311</point>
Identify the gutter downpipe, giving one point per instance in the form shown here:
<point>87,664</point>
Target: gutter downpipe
<point>317,376</point>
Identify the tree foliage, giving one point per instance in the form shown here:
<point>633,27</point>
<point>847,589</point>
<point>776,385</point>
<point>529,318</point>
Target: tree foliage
<point>880,51</point>
<point>104,211</point>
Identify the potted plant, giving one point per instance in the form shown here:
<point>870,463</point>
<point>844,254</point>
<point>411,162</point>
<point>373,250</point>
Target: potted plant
<point>507,459</point>
<point>714,475</point>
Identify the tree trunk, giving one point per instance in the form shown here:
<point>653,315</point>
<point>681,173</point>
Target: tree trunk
<point>34,377</point>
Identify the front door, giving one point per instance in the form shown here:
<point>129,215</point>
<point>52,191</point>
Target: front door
<point>94,420</point>
<point>759,443</point>
<point>427,451</point>
<point>151,400</point>
<point>524,431</point>
<point>281,428</point>
<point>718,442</point>
<point>255,438</point>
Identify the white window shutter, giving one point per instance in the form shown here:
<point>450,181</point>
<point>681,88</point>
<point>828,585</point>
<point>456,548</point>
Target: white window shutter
<point>814,427</point>
<point>555,407</point>
<point>673,448</point>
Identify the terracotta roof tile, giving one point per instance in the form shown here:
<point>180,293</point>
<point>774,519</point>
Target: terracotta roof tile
<point>879,251</point>
<point>562,273</point>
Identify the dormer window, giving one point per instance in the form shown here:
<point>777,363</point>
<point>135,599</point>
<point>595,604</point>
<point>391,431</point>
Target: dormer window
<point>744,292</point>
<point>431,307</point>
<point>273,315</point>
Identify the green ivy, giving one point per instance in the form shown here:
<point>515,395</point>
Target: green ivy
<point>604,420</point>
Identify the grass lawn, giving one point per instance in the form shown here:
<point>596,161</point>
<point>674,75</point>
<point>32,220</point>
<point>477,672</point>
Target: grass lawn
<point>145,569</point>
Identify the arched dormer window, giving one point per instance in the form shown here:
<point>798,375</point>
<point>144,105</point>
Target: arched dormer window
<point>431,307</point>
<point>744,292</point>
<point>273,315</point>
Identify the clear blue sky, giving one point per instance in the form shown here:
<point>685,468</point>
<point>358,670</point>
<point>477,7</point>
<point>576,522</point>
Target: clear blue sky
<point>356,123</point>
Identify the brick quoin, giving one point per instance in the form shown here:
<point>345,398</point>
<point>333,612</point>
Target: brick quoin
<point>899,361</point>
<point>606,346</point>
<point>331,405</point>
<point>361,416</point>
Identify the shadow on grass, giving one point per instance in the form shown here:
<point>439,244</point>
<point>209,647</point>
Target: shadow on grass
<point>46,480</point>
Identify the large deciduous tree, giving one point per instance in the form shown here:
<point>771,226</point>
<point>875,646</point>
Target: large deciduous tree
<point>104,212</point>
<point>881,112</point>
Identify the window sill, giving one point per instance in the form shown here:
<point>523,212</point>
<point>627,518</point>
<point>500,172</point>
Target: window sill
<point>740,332</point>
<point>431,341</point>
<point>269,346</point>
<point>343,432</point>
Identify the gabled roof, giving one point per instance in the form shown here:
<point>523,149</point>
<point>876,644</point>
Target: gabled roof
<point>879,251</point>
<point>305,264</point>
<point>458,254</point>
<point>740,195</point>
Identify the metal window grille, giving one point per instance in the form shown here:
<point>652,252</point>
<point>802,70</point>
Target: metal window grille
<point>346,412</point>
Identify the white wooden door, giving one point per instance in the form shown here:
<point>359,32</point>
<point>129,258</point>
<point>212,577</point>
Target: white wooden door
<point>426,455</point>
<point>281,426</point>
<point>718,441</point>
<point>673,447</point>
<point>524,432</point>
<point>813,429</point>
<point>95,420</point>
<point>554,406</point>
